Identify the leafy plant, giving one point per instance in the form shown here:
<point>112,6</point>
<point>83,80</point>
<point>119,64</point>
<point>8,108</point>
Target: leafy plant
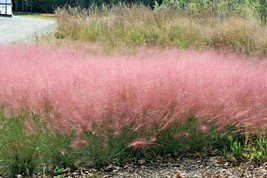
<point>236,149</point>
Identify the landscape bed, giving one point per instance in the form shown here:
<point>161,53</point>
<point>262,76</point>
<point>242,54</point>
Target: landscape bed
<point>62,107</point>
<point>119,85</point>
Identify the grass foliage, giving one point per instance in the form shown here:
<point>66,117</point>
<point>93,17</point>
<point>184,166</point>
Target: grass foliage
<point>28,149</point>
<point>137,25</point>
<point>64,109</point>
<point>26,143</point>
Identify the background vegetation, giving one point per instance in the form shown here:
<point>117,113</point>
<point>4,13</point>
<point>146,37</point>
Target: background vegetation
<point>124,26</point>
<point>245,7</point>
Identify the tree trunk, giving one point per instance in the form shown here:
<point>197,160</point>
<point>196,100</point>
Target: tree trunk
<point>16,5</point>
<point>22,6</point>
<point>31,4</point>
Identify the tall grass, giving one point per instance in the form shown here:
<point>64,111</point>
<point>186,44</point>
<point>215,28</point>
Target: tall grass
<point>75,90</point>
<point>123,26</point>
<point>65,108</point>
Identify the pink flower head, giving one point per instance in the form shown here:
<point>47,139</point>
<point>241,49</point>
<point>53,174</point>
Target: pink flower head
<point>77,90</point>
<point>203,128</point>
<point>78,143</point>
<point>141,143</point>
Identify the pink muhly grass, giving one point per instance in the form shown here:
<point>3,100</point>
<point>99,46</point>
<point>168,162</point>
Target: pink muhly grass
<point>141,143</point>
<point>76,90</point>
<point>203,128</point>
<point>77,143</point>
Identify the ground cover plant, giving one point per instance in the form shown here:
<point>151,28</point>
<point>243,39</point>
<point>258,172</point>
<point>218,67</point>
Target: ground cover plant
<point>92,109</point>
<point>166,26</point>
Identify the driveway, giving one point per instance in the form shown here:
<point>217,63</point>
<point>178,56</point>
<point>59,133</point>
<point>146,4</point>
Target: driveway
<point>24,29</point>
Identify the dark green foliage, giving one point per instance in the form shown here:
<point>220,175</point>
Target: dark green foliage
<point>49,6</point>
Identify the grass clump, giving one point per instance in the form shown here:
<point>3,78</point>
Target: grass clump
<point>103,146</point>
<point>19,152</point>
<point>27,146</point>
<point>181,137</point>
<point>237,35</point>
<point>87,110</point>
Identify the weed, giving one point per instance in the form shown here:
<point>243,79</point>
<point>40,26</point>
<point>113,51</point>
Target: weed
<point>246,147</point>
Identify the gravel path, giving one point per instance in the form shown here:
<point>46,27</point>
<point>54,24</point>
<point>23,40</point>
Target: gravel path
<point>168,167</point>
<point>23,29</point>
